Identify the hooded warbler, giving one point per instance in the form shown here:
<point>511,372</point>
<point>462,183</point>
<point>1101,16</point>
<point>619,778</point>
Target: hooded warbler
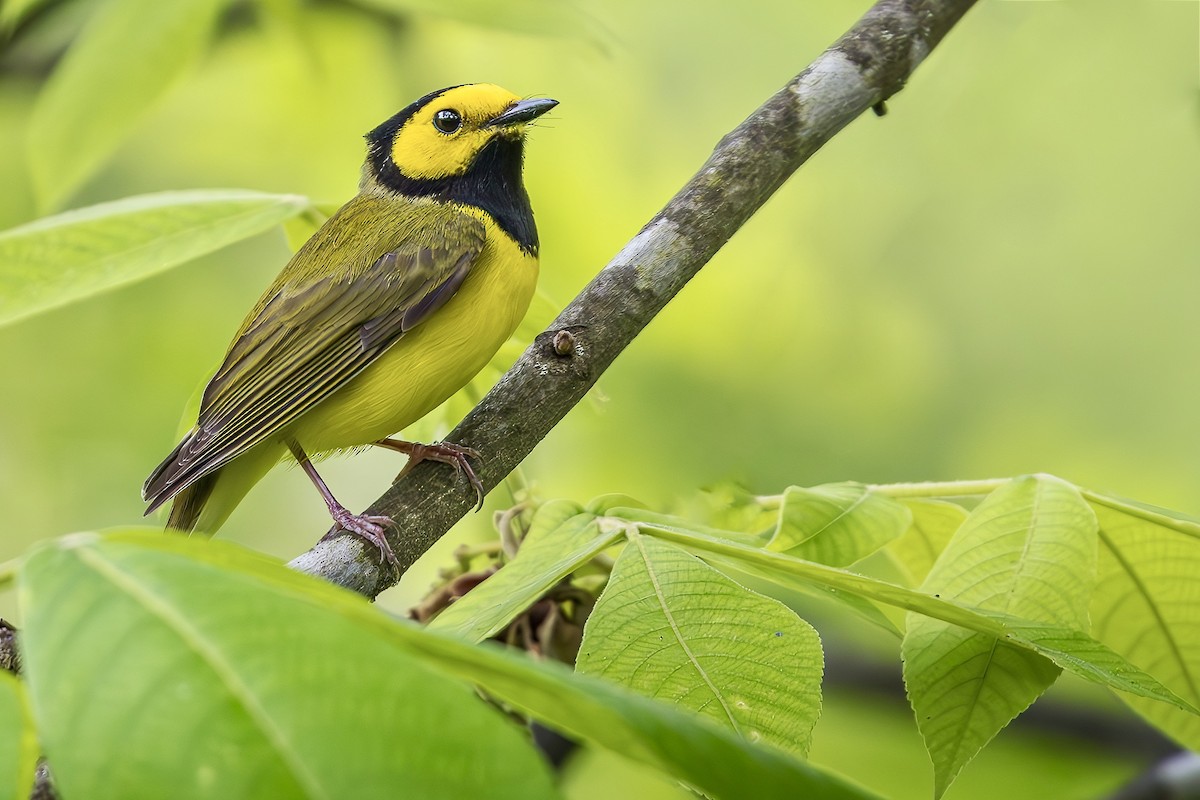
<point>394,304</point>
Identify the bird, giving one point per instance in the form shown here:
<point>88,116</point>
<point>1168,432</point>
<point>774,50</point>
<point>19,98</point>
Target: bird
<point>400,298</point>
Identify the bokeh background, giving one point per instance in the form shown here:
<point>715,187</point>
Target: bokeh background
<point>1000,276</point>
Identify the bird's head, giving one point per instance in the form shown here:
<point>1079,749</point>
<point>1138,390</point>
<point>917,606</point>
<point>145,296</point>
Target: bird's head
<point>442,135</point>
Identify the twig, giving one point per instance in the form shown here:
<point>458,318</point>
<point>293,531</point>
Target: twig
<point>866,66</point>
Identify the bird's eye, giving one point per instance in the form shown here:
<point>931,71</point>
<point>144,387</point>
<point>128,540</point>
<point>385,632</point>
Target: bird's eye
<point>447,121</point>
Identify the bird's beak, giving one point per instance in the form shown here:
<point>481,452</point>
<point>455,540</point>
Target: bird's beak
<point>522,111</point>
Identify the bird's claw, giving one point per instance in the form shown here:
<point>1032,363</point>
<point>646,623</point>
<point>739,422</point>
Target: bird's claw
<point>456,455</point>
<point>371,528</point>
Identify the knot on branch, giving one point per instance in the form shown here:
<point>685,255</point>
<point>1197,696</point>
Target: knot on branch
<point>564,343</point>
<point>561,352</point>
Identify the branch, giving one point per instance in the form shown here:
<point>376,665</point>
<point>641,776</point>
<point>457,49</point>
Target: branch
<point>865,67</point>
<point>10,657</point>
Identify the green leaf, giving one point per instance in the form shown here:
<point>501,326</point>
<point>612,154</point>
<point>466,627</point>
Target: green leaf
<point>686,746</point>
<point>933,524</point>
<point>18,740</point>
<point>76,254</point>
<point>165,667</point>
<point>1028,550</point>
<point>549,517</point>
<point>285,624</point>
<point>1088,659</point>
<point>1069,648</point>
<point>1147,604</point>
<point>964,688</point>
<point>604,503</point>
<point>128,55</point>
<point>837,524</point>
<point>548,554</point>
<point>671,627</point>
<point>730,507</point>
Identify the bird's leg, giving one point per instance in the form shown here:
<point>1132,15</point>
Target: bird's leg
<point>455,455</point>
<point>366,527</point>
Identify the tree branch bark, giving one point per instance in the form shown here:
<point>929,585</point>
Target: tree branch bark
<point>866,66</point>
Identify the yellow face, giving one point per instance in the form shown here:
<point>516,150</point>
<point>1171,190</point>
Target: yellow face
<point>443,137</point>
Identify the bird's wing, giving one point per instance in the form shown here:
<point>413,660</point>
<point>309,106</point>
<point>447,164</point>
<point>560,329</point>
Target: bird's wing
<point>311,335</point>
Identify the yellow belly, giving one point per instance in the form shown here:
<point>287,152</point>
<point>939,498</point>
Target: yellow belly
<point>430,362</point>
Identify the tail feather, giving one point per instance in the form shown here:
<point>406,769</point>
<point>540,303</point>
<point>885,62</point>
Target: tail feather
<point>160,486</point>
<point>204,503</point>
<point>185,511</point>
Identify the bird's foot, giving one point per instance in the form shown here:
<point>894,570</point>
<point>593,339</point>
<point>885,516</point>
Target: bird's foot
<point>456,455</point>
<point>373,529</point>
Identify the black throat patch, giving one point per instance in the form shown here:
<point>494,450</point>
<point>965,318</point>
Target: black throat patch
<point>493,183</point>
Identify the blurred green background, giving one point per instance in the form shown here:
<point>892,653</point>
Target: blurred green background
<point>1000,276</point>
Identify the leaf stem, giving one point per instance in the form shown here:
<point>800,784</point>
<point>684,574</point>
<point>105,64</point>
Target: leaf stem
<point>897,491</point>
<point>939,488</point>
<point>771,564</point>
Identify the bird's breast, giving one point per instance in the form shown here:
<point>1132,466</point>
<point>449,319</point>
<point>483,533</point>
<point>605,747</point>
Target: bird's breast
<point>433,360</point>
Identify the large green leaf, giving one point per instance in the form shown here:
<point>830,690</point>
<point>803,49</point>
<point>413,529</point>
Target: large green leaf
<point>18,741</point>
<point>686,746</point>
<point>1147,604</point>
<point>837,524</point>
<point>129,54</point>
<point>1070,648</point>
<point>163,667</point>
<point>1028,550</point>
<point>71,256</point>
<point>560,540</point>
<point>281,628</point>
<point>671,627</point>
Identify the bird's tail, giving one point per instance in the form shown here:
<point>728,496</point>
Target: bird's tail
<point>205,503</point>
<point>188,504</point>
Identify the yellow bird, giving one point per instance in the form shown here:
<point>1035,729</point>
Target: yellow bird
<point>399,299</point>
